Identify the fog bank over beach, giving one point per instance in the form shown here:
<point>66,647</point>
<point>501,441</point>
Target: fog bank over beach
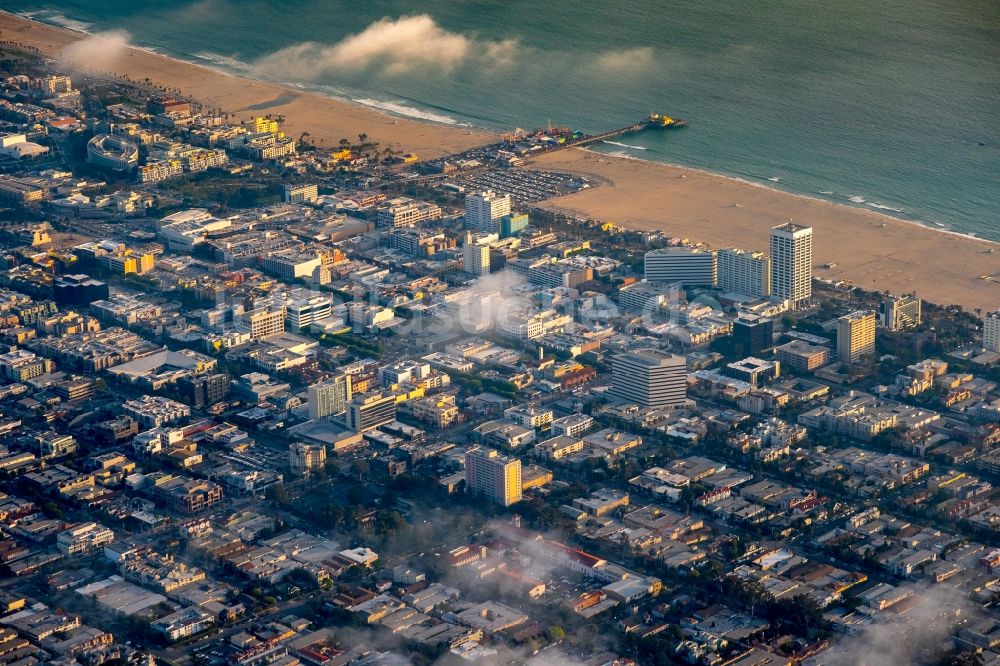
<point>324,118</point>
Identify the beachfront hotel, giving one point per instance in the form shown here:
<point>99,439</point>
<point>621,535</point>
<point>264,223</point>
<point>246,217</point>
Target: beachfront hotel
<point>791,264</point>
<point>898,313</point>
<point>113,152</point>
<point>744,272</point>
<point>691,266</point>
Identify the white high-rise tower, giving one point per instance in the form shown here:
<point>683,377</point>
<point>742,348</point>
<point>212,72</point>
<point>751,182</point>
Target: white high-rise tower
<point>791,264</point>
<point>483,211</point>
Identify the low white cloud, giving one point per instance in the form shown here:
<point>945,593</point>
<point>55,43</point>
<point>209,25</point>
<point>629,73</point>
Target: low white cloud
<point>910,638</point>
<point>625,61</point>
<point>396,46</point>
<point>501,54</point>
<point>99,52</point>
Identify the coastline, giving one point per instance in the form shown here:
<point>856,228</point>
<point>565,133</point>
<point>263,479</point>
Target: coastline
<point>884,252</point>
<point>326,119</point>
<point>869,248</point>
<point>924,226</point>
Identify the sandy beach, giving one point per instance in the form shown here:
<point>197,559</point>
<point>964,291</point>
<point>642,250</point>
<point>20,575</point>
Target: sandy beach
<point>322,117</point>
<point>872,250</point>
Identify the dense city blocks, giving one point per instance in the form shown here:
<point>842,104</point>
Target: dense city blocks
<point>269,400</point>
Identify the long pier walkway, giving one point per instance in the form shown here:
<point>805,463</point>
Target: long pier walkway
<point>611,134</point>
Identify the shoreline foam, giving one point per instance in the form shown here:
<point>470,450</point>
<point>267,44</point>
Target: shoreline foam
<point>231,67</point>
<point>875,209</point>
<point>324,117</point>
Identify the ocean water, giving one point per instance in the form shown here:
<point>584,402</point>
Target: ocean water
<point>891,105</point>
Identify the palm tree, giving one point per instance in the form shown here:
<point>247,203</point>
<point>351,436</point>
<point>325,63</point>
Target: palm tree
<point>362,138</point>
<point>345,142</point>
